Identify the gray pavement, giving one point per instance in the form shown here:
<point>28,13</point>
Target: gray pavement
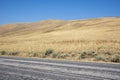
<point>16,68</point>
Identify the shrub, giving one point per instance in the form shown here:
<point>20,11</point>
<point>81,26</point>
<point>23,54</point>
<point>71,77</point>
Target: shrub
<point>3,52</point>
<point>87,54</point>
<point>115,58</point>
<point>48,52</point>
<point>83,55</point>
<point>33,54</point>
<point>8,53</point>
<point>54,55</point>
<point>13,53</point>
<point>107,59</point>
<point>92,54</point>
<point>98,58</point>
<point>108,53</point>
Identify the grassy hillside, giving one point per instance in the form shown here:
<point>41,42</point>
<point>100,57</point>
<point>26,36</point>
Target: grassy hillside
<point>92,39</point>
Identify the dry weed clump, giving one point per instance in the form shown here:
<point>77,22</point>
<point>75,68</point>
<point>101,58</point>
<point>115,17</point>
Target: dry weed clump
<point>9,53</point>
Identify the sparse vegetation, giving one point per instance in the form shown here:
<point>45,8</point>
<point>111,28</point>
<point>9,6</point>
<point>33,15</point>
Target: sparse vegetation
<point>55,54</point>
<point>68,41</point>
<point>2,52</point>
<point>99,58</point>
<point>13,53</point>
<point>33,54</point>
<point>9,53</point>
<point>83,55</point>
<point>89,54</point>
<point>63,55</point>
<point>92,54</point>
<point>108,53</point>
<point>47,52</point>
<point>79,56</point>
<point>115,58</point>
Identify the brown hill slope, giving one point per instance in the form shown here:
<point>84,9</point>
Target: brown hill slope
<point>100,35</point>
<point>8,28</point>
<point>52,25</point>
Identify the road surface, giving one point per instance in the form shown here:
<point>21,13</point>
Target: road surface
<point>15,68</point>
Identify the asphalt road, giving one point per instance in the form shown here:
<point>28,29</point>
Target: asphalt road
<point>15,68</point>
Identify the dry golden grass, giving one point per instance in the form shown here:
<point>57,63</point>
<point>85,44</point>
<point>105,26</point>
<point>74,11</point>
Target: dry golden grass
<point>72,37</point>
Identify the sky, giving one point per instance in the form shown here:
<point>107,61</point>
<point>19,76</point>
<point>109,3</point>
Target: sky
<point>16,11</point>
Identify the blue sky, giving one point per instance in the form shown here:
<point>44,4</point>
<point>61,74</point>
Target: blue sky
<point>14,11</point>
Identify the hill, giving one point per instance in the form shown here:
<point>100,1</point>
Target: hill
<point>69,39</point>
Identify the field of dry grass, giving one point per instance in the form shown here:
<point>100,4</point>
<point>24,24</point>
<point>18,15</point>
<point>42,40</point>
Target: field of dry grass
<point>84,40</point>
